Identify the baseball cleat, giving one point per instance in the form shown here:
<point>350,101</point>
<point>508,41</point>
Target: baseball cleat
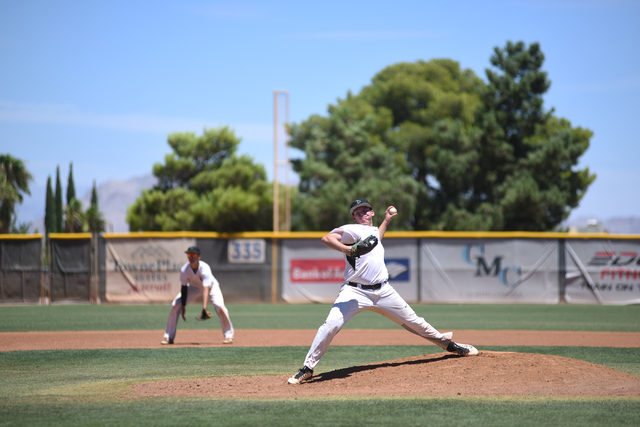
<point>462,349</point>
<point>227,341</point>
<point>302,375</point>
<point>166,341</point>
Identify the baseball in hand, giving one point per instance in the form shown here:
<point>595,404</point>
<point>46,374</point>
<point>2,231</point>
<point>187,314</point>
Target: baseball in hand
<point>393,211</point>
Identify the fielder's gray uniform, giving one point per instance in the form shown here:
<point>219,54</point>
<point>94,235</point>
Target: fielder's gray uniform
<point>196,280</point>
<point>368,270</point>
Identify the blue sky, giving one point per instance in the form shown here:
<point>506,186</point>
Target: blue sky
<point>102,83</point>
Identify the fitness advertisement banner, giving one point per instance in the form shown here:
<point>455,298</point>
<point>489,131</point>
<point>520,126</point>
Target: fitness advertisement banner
<point>602,272</point>
<point>311,272</point>
<point>145,270</point>
<point>489,271</point>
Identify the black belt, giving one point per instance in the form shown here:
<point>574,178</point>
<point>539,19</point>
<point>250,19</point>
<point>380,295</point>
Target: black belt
<point>373,287</point>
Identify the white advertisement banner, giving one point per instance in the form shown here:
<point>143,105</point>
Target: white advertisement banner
<point>491,271</point>
<point>145,270</point>
<point>311,272</point>
<point>602,272</point>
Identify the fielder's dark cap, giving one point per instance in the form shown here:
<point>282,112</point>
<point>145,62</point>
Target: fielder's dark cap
<point>193,250</point>
<point>359,202</point>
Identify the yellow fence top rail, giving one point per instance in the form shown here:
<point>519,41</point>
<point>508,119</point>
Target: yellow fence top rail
<point>508,235</point>
<point>389,234</point>
<point>69,235</point>
<point>319,234</point>
<point>20,236</point>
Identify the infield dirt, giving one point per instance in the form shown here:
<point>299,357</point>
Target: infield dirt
<point>489,373</point>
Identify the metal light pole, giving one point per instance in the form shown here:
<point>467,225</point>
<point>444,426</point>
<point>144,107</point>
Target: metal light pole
<point>277,162</point>
<point>276,210</point>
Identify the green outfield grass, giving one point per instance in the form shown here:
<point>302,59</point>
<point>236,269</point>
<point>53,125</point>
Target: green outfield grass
<point>89,387</point>
<point>311,316</point>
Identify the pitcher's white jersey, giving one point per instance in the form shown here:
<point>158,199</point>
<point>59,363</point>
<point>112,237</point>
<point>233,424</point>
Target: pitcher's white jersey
<point>369,268</point>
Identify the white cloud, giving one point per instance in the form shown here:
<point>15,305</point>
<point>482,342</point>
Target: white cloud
<point>64,114</point>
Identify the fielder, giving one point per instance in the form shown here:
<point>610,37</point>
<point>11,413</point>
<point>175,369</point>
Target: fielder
<point>197,279</point>
<point>366,287</point>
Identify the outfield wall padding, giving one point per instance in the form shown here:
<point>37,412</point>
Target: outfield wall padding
<point>70,270</point>
<point>424,267</point>
<point>20,269</point>
<point>147,269</point>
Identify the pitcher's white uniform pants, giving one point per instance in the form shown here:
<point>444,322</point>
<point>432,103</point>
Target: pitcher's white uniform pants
<point>385,301</point>
<point>215,295</point>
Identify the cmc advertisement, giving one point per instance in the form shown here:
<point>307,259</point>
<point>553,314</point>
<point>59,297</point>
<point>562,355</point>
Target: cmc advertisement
<point>311,272</point>
<point>602,272</point>
<point>140,270</point>
<point>489,271</point>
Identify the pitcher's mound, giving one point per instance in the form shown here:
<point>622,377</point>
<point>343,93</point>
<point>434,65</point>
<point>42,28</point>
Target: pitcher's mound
<point>489,373</point>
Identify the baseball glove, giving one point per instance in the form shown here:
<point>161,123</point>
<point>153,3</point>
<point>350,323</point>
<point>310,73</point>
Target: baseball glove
<point>363,246</point>
<point>206,314</point>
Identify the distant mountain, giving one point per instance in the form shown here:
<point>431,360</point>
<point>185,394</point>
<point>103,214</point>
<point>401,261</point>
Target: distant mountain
<point>614,225</point>
<point>114,197</point>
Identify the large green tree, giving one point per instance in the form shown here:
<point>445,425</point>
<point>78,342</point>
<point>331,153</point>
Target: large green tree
<point>345,159</point>
<point>432,106</point>
<point>14,183</point>
<point>482,156</point>
<point>526,178</point>
<point>204,186</point>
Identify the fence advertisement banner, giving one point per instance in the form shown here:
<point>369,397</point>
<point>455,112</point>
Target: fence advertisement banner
<point>602,272</point>
<point>490,271</point>
<point>311,272</point>
<point>144,270</point>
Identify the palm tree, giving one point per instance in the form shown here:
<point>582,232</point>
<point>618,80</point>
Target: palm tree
<point>22,227</point>
<point>95,221</point>
<point>14,183</point>
<point>74,217</point>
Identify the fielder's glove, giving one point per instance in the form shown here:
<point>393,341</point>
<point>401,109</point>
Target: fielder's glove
<point>206,314</point>
<point>363,246</point>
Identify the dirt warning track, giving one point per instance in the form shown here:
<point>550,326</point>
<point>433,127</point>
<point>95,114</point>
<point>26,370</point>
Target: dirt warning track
<point>75,340</point>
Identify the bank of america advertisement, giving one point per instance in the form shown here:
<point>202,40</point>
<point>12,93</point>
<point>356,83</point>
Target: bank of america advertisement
<point>311,272</point>
<point>145,270</point>
<point>602,272</point>
<point>491,271</point>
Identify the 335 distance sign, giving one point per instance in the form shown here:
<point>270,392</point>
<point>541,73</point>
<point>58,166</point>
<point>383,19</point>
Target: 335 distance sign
<point>246,251</point>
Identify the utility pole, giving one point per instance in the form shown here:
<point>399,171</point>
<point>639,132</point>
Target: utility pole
<point>276,211</point>
<point>277,162</point>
